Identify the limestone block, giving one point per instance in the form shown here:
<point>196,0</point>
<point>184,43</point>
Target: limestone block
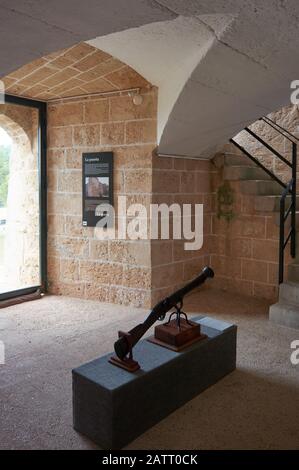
<point>138,181</point>
<point>65,114</point>
<point>104,273</point>
<point>60,137</point>
<point>136,277</point>
<point>141,131</point>
<point>88,135</point>
<point>69,269</point>
<point>254,270</point>
<point>96,111</point>
<point>112,134</point>
<point>126,78</point>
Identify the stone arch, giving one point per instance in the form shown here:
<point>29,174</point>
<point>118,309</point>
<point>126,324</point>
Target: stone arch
<point>21,247</point>
<point>218,73</point>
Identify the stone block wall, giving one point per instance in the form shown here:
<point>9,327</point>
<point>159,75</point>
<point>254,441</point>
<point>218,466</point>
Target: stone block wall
<point>180,181</point>
<point>118,271</point>
<point>243,252</point>
<point>78,263</point>
<point>245,249</point>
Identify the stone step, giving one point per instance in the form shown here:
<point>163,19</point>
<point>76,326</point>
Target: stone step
<point>289,293</point>
<point>270,203</point>
<point>293,271</point>
<point>285,314</point>
<point>261,187</point>
<point>236,173</point>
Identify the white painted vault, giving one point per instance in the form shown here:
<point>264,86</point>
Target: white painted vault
<point>219,64</point>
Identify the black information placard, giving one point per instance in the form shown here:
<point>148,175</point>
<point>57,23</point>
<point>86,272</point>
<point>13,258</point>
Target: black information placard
<point>97,183</point>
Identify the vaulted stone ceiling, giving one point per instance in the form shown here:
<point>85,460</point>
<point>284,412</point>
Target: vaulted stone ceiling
<point>219,64</point>
<point>78,70</point>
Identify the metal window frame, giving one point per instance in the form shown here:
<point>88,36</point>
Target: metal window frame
<point>42,175</point>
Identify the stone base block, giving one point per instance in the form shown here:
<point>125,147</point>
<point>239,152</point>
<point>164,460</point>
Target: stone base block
<point>112,407</point>
<point>285,315</point>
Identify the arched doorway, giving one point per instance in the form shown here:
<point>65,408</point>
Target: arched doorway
<point>5,152</point>
<point>21,231</point>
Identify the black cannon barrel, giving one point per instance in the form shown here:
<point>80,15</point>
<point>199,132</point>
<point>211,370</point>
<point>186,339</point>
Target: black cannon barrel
<point>180,294</point>
<point>121,346</point>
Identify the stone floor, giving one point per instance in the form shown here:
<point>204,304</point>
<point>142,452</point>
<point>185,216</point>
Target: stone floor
<point>256,407</point>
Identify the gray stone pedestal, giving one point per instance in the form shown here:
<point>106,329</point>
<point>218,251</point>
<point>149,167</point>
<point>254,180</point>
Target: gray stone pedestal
<point>286,311</point>
<point>112,407</point>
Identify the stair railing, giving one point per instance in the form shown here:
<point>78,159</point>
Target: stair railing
<point>289,189</point>
<point>282,220</point>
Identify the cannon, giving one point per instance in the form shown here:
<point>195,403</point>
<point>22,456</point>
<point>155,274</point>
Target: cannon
<point>176,334</point>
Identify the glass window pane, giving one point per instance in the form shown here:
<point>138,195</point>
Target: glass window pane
<point>19,198</point>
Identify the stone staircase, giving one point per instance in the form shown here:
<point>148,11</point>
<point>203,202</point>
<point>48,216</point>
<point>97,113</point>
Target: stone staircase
<point>286,310</point>
<point>256,182</point>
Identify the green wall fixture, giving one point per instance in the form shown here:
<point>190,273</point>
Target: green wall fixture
<point>225,200</point>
